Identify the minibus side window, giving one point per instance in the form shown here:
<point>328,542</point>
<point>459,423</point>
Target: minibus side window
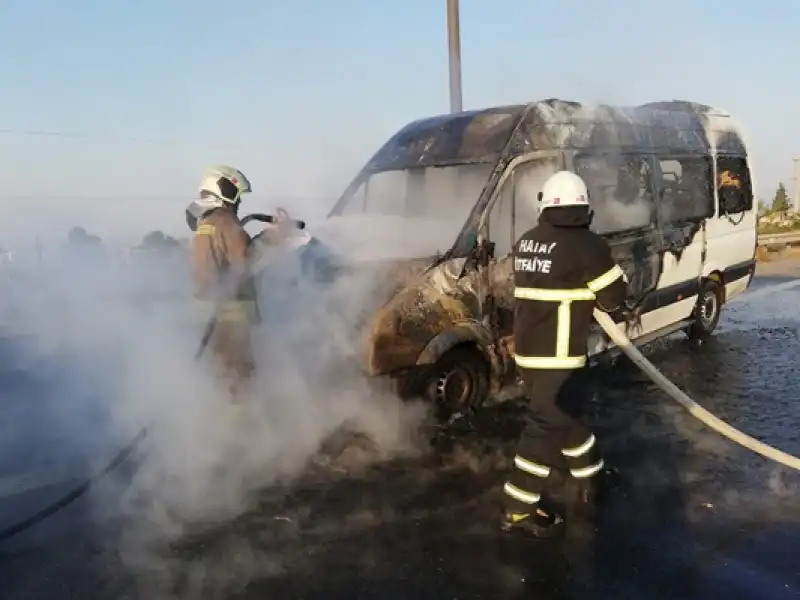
<point>528,181</point>
<point>687,192</point>
<point>516,209</point>
<point>380,194</point>
<point>733,185</point>
<point>620,190</point>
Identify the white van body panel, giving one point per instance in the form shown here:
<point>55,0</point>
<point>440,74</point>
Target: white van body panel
<point>723,248</point>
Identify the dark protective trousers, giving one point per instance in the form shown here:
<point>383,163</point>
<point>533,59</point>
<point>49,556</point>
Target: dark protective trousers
<point>553,437</point>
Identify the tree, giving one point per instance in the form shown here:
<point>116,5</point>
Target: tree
<point>781,201</point>
<point>763,209</point>
<point>156,240</point>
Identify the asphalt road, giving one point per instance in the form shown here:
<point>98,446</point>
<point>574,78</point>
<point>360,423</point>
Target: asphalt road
<point>696,517</point>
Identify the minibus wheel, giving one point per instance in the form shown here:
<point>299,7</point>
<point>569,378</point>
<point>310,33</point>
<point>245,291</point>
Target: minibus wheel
<point>458,382</point>
<point>707,312</point>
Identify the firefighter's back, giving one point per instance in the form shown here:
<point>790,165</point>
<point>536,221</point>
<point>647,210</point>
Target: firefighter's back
<point>220,242</point>
<point>547,259</point>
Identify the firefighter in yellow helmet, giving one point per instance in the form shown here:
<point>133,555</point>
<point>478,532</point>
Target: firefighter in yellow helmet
<point>223,282</point>
<point>562,270</point>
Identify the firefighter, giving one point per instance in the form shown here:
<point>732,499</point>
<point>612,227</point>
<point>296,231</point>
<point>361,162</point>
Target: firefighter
<point>562,270</point>
<point>222,277</point>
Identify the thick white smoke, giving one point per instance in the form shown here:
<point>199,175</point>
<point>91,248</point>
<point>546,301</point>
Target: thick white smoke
<point>615,207</point>
<point>130,336</point>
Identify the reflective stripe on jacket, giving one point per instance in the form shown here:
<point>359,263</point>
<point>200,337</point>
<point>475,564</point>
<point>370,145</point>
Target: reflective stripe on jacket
<point>231,310</point>
<point>560,275</point>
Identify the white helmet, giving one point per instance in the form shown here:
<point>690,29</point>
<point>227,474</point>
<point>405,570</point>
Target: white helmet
<point>225,183</point>
<point>564,189</point>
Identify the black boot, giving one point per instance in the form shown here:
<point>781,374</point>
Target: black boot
<point>538,522</point>
<point>594,492</point>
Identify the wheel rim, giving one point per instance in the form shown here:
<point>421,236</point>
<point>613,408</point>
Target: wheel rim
<point>708,309</point>
<point>454,388</point>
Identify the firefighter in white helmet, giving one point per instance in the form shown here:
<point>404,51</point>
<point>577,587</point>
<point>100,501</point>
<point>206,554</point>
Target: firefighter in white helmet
<point>562,270</point>
<point>221,272</point>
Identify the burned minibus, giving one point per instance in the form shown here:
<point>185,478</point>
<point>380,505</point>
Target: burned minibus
<point>442,203</point>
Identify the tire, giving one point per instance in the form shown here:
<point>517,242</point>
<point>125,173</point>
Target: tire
<point>458,382</point>
<point>707,312</point>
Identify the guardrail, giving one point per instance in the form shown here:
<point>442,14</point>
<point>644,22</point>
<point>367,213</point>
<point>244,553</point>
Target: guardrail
<point>788,238</point>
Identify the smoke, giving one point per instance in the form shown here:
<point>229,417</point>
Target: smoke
<point>129,335</point>
<point>719,124</point>
<point>618,188</point>
<point>428,206</point>
<point>618,191</point>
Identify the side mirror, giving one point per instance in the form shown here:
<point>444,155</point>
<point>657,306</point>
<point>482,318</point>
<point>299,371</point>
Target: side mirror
<point>479,256</point>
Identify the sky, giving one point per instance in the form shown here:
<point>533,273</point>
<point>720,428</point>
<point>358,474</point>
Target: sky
<point>110,110</point>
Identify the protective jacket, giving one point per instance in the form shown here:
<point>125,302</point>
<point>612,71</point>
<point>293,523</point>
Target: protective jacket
<point>221,269</point>
<point>561,270</point>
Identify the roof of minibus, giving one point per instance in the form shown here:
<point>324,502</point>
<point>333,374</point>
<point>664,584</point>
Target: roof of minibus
<point>675,127</point>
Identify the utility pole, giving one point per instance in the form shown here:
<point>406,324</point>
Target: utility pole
<point>454,45</point>
<point>796,194</point>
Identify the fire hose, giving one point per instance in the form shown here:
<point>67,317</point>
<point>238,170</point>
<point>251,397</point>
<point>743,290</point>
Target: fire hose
<point>89,482</point>
<point>625,345</point>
